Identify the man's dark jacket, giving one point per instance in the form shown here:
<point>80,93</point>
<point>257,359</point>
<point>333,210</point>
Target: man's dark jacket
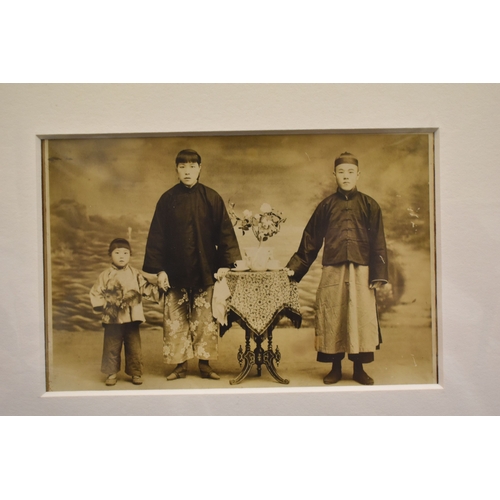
<point>350,225</point>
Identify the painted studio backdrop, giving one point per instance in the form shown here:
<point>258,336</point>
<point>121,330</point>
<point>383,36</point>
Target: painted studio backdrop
<point>96,190</point>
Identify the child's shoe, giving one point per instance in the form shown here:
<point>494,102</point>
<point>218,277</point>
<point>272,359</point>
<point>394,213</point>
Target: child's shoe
<point>111,380</point>
<point>137,380</point>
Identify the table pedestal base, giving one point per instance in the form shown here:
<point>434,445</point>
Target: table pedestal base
<point>259,357</point>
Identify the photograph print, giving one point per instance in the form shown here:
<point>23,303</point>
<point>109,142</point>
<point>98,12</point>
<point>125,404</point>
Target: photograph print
<point>262,260</point>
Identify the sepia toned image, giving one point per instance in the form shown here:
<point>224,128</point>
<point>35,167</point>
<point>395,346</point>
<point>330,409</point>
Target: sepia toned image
<point>243,262</point>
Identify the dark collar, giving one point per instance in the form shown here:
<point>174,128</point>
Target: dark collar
<point>187,188</point>
<point>347,195</point>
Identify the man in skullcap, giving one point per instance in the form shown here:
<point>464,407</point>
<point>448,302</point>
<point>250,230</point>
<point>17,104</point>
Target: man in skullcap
<point>349,225</point>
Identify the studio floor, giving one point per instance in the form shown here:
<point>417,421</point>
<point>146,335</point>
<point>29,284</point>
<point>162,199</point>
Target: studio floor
<point>405,357</point>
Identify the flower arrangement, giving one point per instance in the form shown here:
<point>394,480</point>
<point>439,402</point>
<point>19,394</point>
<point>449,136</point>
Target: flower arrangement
<point>264,224</point>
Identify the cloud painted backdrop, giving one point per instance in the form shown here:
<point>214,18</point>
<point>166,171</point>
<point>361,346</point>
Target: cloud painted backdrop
<point>100,189</point>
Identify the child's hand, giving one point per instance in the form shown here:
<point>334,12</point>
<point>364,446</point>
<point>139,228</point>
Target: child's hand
<point>163,282</point>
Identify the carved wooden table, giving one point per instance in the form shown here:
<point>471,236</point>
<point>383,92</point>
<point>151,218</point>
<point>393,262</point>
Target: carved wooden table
<point>257,303</point>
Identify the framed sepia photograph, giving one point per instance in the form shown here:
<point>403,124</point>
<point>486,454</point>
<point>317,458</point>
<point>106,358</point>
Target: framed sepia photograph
<point>269,300</point>
<point>84,163</point>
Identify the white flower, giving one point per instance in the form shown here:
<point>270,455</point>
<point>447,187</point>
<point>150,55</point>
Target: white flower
<point>263,225</point>
<point>185,346</point>
<point>212,327</point>
<point>200,302</point>
<point>184,297</point>
<point>174,326</point>
<point>201,352</point>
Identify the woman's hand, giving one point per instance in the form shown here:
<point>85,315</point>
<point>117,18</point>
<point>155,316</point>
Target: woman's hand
<point>221,273</point>
<point>163,282</point>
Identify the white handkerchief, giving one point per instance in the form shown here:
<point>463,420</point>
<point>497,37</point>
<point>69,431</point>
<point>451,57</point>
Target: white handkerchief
<point>219,301</point>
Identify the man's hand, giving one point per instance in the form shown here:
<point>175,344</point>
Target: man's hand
<point>163,282</point>
<point>377,285</point>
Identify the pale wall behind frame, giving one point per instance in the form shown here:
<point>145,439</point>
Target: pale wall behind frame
<point>468,153</point>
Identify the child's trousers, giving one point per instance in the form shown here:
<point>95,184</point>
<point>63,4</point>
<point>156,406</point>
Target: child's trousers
<point>115,336</point>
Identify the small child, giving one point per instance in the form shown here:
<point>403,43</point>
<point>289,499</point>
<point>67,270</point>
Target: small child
<point>117,294</point>
<point>349,225</point>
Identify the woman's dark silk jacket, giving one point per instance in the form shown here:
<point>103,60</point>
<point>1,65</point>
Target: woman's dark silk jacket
<point>191,236</point>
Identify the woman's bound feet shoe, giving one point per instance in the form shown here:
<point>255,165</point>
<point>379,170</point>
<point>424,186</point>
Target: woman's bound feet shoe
<point>207,372</point>
<point>111,380</point>
<point>180,371</point>
<point>362,377</point>
<point>333,377</point>
<point>137,380</point>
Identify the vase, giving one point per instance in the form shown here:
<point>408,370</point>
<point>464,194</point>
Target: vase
<point>257,258</point>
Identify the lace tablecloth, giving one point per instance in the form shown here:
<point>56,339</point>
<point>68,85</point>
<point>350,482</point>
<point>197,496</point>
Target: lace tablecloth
<point>260,299</point>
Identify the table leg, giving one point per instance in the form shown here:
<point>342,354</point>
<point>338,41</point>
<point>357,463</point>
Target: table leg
<point>258,357</point>
<point>270,356</point>
<point>259,353</point>
<point>248,357</point>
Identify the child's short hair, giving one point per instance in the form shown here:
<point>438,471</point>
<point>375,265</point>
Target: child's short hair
<point>188,156</point>
<point>119,243</point>
<point>346,158</point>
